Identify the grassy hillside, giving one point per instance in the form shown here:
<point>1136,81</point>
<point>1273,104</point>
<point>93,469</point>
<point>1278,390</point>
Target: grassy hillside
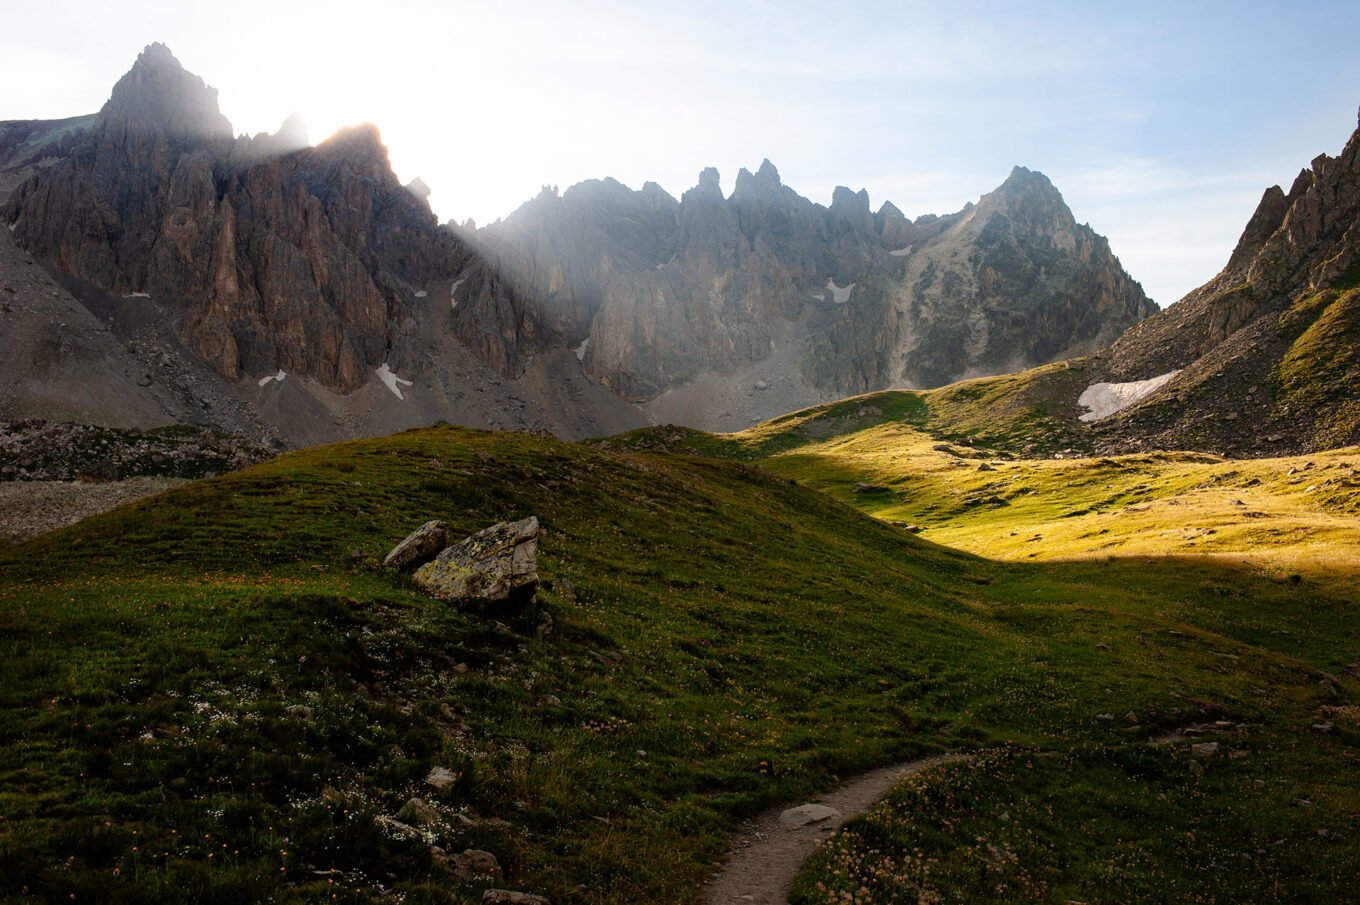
<point>1033,823</point>
<point>220,695</point>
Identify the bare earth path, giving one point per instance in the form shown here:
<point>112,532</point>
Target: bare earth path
<point>766,856</point>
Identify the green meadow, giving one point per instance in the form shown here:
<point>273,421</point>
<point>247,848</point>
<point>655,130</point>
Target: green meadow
<point>219,694</point>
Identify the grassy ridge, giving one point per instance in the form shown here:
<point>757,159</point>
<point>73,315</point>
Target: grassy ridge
<point>219,694</point>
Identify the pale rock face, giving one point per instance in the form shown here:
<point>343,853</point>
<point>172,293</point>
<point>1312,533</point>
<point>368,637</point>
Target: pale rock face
<point>665,292</point>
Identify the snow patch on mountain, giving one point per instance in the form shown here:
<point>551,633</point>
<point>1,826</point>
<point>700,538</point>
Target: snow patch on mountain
<point>1104,399</point>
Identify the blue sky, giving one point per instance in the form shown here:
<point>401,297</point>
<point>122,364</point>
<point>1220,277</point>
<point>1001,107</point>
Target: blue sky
<point>1161,124</point>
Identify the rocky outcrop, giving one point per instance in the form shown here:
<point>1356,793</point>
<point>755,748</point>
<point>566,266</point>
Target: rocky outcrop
<point>653,292</point>
<point>37,450</point>
<point>1269,349</point>
<point>496,564</point>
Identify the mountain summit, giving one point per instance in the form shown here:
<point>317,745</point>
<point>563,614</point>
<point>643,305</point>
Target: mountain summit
<point>158,94</point>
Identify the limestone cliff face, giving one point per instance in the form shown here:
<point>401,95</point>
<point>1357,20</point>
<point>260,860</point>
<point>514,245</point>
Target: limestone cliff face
<point>271,254</point>
<point>655,292</point>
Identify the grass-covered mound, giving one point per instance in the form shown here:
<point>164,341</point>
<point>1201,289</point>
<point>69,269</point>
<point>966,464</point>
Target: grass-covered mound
<point>219,694</point>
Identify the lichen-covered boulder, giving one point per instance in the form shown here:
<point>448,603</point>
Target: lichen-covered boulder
<point>420,546</point>
<point>495,564</point>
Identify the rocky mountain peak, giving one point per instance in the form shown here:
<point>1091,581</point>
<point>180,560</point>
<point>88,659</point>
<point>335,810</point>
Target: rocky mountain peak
<point>419,188</point>
<point>708,187</point>
<point>158,94</point>
<point>1028,196</point>
<point>292,135</point>
<point>763,183</point>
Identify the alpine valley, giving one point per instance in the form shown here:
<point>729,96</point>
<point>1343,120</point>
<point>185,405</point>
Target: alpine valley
<point>727,548</point>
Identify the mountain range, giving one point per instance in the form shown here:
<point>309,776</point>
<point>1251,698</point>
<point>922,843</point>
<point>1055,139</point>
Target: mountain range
<point>163,270</point>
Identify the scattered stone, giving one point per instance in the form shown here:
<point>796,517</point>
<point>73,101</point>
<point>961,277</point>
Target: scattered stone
<point>420,546</point>
<point>473,864</point>
<point>1324,727</point>
<point>1102,646</point>
<point>419,812</point>
<point>1131,717</point>
<point>302,711</point>
<point>441,777</point>
<point>565,589</point>
<point>495,564</point>
<point>862,487</point>
<point>510,897</point>
<point>396,828</point>
<point>550,700</point>
<point>1204,749</point>
<point>1104,716</point>
<point>807,814</point>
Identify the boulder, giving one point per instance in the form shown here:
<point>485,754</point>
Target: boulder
<point>473,864</point>
<point>420,546</point>
<point>495,564</point>
<point>864,487</point>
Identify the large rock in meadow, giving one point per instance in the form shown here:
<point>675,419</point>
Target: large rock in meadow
<point>495,564</point>
<point>420,546</point>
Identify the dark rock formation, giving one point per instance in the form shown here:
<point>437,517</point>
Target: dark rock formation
<point>272,255</point>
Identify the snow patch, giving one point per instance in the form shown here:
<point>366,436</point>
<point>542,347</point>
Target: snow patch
<point>668,263</point>
<point>1104,399</point>
<point>581,349</point>
<point>392,380</point>
<point>453,299</point>
<point>819,296</point>
<point>137,295</point>
<point>421,294</point>
<point>901,252</point>
<point>279,377</point>
<point>839,294</point>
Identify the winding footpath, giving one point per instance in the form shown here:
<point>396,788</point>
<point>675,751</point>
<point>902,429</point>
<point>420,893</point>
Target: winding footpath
<point>767,855</point>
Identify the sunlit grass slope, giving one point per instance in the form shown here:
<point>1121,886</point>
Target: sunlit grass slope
<point>1029,824</point>
<point>220,695</point>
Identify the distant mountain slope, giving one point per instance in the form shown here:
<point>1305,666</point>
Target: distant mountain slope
<point>1263,360</point>
<point>657,292</point>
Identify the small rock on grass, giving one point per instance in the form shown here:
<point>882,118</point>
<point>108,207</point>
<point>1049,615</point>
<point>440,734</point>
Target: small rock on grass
<point>511,897</point>
<point>441,777</point>
<point>472,864</point>
<point>420,546</point>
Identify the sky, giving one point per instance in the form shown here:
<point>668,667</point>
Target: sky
<point>1161,123</point>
